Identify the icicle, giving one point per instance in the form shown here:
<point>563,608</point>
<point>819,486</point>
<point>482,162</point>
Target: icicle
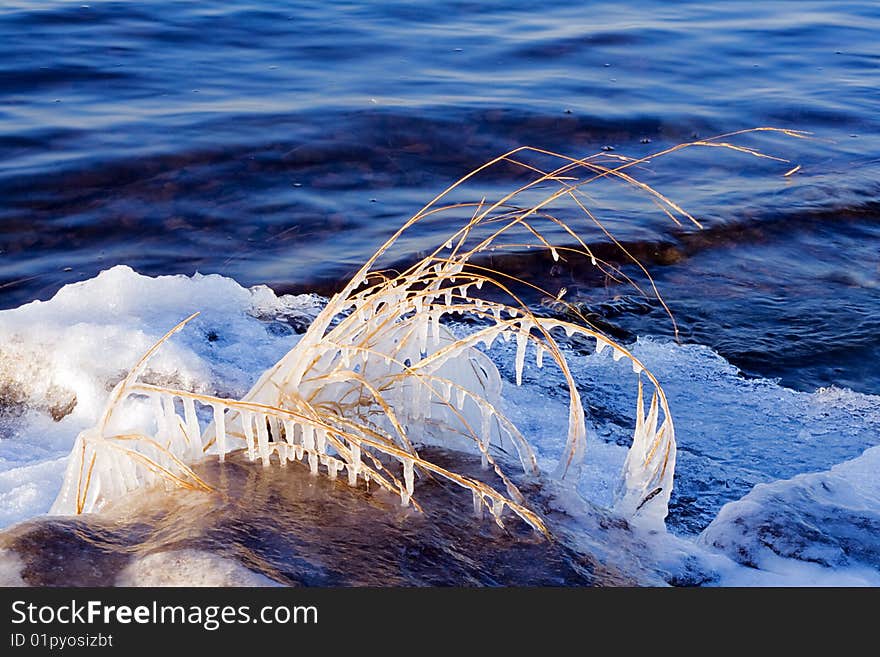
<point>447,296</point>
<point>445,390</point>
<point>637,368</point>
<point>192,426</point>
<point>415,411</point>
<point>418,303</point>
<point>640,407</point>
<point>489,339</point>
<point>273,425</point>
<point>511,312</point>
<point>172,427</point>
<point>435,327</point>
<point>460,393</point>
<point>555,254</point>
<point>290,432</point>
<point>478,504</point>
<point>593,260</point>
<point>332,467</point>
<point>463,291</point>
<point>308,436</point>
<point>309,445</point>
<point>448,244</point>
<point>355,466</point>
<point>220,429</point>
<point>639,441</point>
<point>539,355</point>
<point>422,335</point>
<point>247,425</point>
<point>497,510</point>
<point>161,420</point>
<point>263,440</point>
<point>617,354</point>
<point>485,433</point>
<point>479,283</point>
<point>321,441</point>
<point>600,346</point>
<point>129,474</point>
<point>496,310</point>
<point>651,419</point>
<point>309,448</point>
<point>283,451</point>
<point>522,339</point>
<point>408,475</point>
<point>112,472</point>
<point>665,431</point>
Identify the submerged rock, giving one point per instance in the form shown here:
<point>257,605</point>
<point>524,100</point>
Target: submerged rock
<point>282,525</point>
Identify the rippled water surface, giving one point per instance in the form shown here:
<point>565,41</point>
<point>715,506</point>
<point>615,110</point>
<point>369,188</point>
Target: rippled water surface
<point>279,142</point>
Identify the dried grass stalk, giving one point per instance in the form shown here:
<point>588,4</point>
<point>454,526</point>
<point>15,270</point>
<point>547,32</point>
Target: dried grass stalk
<point>379,371</point>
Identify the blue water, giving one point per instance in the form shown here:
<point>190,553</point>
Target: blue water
<point>280,142</point>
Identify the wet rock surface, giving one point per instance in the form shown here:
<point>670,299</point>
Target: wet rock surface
<point>297,529</point>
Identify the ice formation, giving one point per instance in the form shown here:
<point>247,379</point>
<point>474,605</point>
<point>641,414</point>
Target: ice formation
<point>379,372</point>
<point>67,353</point>
<point>350,393</point>
<point>829,518</point>
<point>396,360</point>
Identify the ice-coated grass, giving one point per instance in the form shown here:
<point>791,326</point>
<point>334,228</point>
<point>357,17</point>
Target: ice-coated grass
<point>379,373</point>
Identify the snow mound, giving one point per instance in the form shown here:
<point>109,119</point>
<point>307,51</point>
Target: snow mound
<point>189,568</point>
<point>830,519</point>
<point>60,358</point>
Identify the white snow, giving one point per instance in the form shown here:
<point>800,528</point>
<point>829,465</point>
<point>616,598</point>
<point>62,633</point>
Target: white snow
<point>189,568</point>
<point>25,491</point>
<point>71,350</point>
<point>814,525</point>
<point>11,569</point>
<point>734,435</point>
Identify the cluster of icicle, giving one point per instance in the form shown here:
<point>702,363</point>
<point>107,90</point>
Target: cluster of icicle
<point>379,372</point>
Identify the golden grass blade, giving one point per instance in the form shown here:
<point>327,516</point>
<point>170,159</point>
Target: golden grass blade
<point>375,373</point>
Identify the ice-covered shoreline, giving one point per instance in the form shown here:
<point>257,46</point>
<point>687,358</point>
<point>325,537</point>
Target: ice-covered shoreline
<point>68,352</point>
<point>60,358</point>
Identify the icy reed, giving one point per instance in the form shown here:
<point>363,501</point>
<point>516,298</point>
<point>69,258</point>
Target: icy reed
<point>380,370</point>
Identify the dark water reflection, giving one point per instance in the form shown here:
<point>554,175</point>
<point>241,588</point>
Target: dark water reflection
<point>281,142</point>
